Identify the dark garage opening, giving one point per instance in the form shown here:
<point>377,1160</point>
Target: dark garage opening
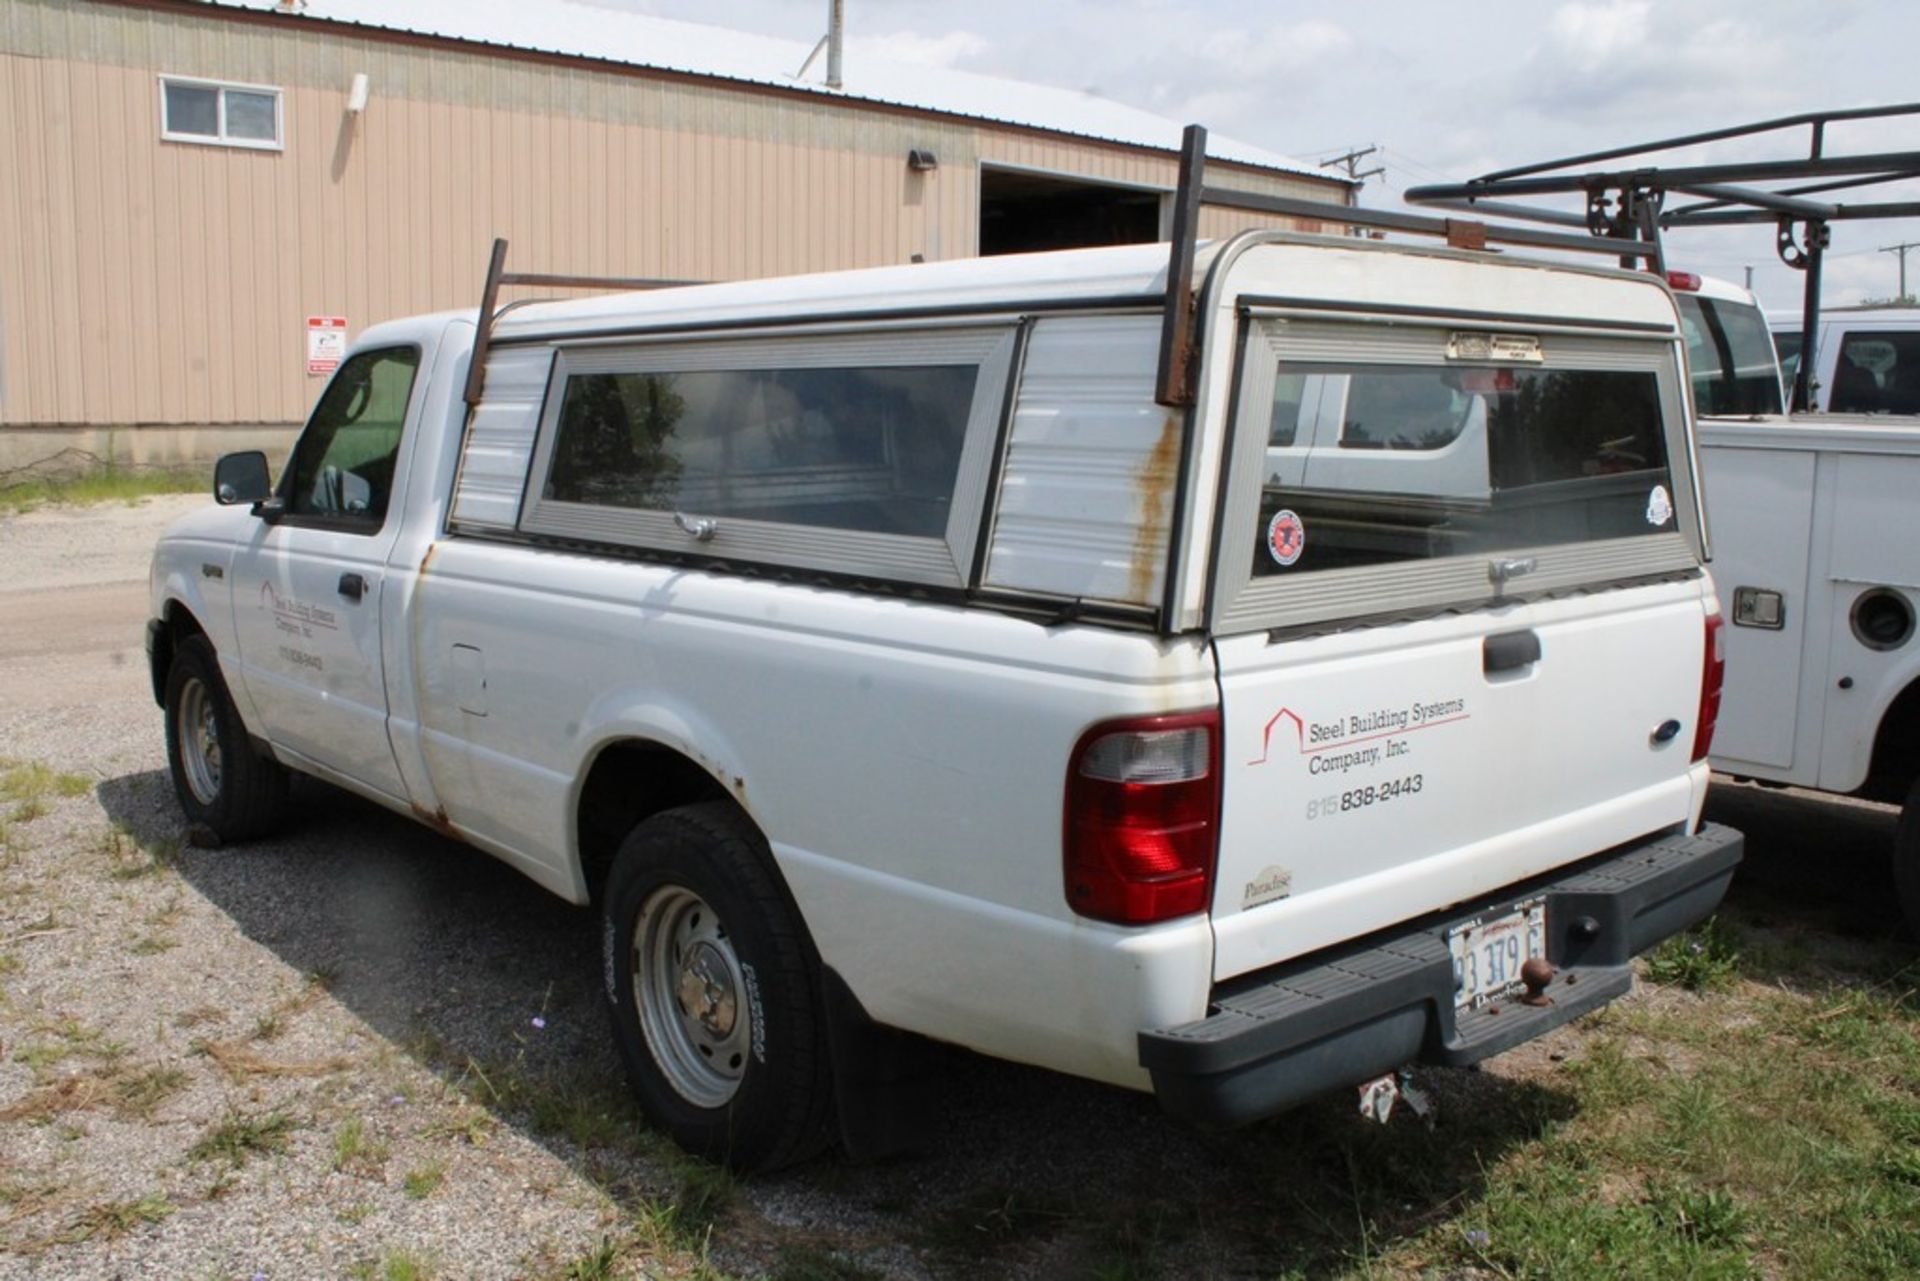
<point>1024,213</point>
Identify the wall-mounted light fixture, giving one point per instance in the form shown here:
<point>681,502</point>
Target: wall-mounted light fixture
<point>357,95</point>
<point>920,160</point>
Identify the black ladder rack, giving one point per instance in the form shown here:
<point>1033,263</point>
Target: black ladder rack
<point>1628,203</point>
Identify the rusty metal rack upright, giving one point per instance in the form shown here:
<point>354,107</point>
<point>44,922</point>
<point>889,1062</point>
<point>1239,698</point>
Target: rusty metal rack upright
<point>1626,203</point>
<point>1174,385</point>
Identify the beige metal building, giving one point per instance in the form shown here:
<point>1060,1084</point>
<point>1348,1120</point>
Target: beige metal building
<point>200,199</point>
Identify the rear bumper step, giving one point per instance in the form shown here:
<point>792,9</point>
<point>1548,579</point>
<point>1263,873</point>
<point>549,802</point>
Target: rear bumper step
<point>1281,1036</point>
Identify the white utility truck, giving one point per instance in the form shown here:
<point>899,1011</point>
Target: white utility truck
<point>929,650</point>
<point>1816,538</point>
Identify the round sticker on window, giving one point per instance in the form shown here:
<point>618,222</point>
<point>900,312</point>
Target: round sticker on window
<point>1659,506</point>
<point>1286,537</point>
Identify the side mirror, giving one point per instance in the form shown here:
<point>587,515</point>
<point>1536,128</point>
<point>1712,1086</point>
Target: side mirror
<point>241,478</point>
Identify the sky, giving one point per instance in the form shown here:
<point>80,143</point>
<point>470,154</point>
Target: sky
<point>1447,91</point>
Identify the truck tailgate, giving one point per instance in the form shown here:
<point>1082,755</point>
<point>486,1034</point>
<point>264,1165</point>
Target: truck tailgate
<point>1374,775</point>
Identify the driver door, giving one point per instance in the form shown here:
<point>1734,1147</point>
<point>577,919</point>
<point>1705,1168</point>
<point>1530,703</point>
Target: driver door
<point>306,594</point>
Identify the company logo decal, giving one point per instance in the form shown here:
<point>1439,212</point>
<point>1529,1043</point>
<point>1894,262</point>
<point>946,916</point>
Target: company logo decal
<point>1286,537</point>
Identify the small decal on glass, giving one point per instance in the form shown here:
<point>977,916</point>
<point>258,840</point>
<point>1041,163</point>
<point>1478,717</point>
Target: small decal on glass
<point>1659,507</point>
<point>1286,537</point>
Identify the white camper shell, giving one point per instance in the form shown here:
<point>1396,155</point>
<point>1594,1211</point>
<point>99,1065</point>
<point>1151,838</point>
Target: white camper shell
<point>881,653</point>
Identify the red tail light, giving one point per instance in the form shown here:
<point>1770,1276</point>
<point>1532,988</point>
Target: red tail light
<point>1142,818</point>
<point>1685,281</point>
<point>1713,673</point>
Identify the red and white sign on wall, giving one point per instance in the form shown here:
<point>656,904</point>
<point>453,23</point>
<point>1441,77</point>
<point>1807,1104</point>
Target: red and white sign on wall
<point>326,343</point>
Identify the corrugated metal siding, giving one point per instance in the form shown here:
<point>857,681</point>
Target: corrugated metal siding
<point>169,282</point>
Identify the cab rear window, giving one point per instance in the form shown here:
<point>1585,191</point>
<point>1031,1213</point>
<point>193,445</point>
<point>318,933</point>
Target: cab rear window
<point>1730,357</point>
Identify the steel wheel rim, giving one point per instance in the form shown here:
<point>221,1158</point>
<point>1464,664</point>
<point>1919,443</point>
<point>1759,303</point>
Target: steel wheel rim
<point>689,990</point>
<point>197,734</point>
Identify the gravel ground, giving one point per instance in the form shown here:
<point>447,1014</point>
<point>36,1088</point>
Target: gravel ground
<point>362,1050</point>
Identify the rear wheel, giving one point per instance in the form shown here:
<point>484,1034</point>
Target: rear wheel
<point>1906,860</point>
<point>714,992</point>
<point>230,792</point>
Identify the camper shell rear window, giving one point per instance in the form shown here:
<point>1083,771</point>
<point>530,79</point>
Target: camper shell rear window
<point>1379,469</point>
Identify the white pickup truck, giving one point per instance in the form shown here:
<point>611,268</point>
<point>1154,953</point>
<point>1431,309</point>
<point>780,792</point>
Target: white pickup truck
<point>881,650</point>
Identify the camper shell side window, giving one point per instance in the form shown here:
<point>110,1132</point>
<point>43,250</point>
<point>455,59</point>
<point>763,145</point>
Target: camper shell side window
<point>862,453</point>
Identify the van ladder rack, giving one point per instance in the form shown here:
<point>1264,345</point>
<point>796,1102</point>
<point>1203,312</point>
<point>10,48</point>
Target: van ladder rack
<point>1629,203</point>
<point>497,275</point>
<point>1174,384</point>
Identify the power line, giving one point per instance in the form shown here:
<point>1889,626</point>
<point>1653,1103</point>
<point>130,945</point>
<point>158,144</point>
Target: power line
<point>1351,162</point>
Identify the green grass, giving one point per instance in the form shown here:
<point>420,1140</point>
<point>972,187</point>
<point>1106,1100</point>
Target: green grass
<point>138,1095</point>
<point>397,1265</point>
<point>239,1139</point>
<point>20,493</point>
<point>31,787</point>
<point>355,1151</point>
<point>597,1264</point>
<point>1765,1132</point>
<point>111,1219</point>
<point>1705,958</point>
<point>423,1181</point>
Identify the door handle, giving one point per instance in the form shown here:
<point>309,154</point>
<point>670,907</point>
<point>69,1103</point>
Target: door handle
<point>352,586</point>
<point>1509,651</point>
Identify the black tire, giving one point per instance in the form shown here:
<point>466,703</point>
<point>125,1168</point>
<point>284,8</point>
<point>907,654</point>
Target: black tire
<point>230,792</point>
<point>1906,860</point>
<point>714,992</point>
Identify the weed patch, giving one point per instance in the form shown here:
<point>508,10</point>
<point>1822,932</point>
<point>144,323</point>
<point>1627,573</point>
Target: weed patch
<point>111,1219</point>
<point>239,1139</point>
<point>1704,959</point>
<point>397,1265</point>
<point>357,1152</point>
<point>423,1181</point>
<point>31,788</point>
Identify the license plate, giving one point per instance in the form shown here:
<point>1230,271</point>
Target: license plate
<point>1488,954</point>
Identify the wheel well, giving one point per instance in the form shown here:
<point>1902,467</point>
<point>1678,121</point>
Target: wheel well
<point>177,622</point>
<point>1896,749</point>
<point>628,782</point>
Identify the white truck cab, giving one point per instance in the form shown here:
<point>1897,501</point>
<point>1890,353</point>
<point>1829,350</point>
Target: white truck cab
<point>952,650</point>
<point>1730,349</point>
<point>1863,360</point>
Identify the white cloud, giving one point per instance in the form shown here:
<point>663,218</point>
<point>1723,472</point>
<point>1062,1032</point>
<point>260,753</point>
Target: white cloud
<point>1596,34</point>
<point>1265,51</point>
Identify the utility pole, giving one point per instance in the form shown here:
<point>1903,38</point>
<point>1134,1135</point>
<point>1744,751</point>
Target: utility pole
<point>1351,162</point>
<point>1901,249</point>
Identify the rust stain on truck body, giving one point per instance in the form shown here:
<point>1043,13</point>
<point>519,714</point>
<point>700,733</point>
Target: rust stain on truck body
<point>1153,485</point>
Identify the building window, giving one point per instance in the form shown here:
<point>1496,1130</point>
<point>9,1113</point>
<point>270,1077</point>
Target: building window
<point>225,115</point>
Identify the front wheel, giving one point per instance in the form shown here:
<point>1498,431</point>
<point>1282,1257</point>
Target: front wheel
<point>1906,860</point>
<point>714,991</point>
<point>230,792</point>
